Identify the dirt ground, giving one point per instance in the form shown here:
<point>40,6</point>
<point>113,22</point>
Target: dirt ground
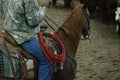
<point>98,60</point>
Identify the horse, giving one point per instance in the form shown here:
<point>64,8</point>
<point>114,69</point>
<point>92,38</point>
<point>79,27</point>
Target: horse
<point>117,17</point>
<point>76,25</point>
<point>70,33</point>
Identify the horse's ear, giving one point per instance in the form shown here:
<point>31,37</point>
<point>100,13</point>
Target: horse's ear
<point>74,3</point>
<point>86,3</point>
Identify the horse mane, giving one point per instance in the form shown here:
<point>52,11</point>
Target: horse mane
<point>70,31</point>
<point>72,19</point>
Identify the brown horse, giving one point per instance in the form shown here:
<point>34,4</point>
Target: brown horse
<point>70,33</point>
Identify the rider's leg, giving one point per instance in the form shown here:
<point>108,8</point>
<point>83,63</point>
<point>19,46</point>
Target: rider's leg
<point>32,46</point>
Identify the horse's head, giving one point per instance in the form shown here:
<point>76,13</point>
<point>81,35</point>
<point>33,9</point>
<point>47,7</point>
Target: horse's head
<point>86,25</point>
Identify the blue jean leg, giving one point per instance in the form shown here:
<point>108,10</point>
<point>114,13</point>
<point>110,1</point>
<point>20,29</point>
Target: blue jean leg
<point>33,47</point>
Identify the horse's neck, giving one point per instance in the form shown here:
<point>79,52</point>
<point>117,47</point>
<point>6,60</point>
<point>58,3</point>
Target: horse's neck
<point>70,42</point>
<point>70,31</point>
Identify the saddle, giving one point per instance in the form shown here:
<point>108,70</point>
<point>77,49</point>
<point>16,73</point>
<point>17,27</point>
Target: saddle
<point>9,46</point>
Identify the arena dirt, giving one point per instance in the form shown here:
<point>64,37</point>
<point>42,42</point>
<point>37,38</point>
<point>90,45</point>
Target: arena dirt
<point>98,60</point>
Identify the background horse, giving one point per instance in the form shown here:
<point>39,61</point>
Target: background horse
<point>117,17</point>
<point>70,33</point>
<point>101,8</point>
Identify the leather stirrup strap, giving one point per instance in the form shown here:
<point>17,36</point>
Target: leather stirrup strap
<point>23,67</point>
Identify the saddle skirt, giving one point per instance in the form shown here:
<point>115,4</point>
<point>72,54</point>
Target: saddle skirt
<point>10,51</point>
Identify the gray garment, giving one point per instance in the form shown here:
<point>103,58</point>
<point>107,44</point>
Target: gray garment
<point>21,18</point>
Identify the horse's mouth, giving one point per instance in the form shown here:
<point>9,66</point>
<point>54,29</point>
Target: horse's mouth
<point>87,35</point>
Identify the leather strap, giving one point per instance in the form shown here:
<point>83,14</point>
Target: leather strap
<point>11,62</point>
<point>23,68</point>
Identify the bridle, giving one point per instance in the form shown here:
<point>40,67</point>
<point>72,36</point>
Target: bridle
<point>89,30</point>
